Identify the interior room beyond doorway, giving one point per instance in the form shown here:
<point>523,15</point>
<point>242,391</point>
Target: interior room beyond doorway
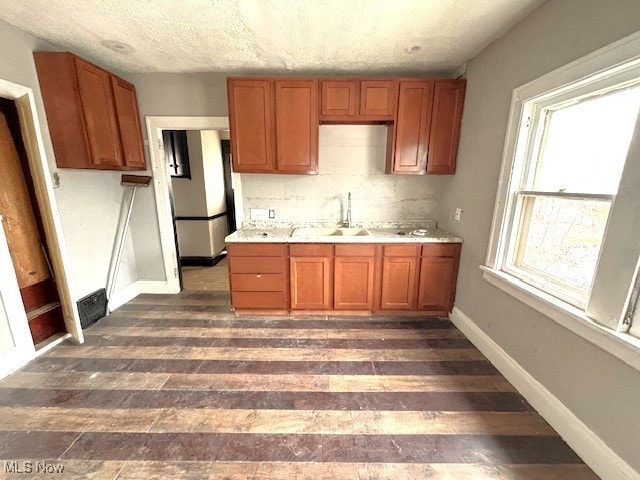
<point>198,162</point>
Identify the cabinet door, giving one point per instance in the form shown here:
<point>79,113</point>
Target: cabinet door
<point>438,275</point>
<point>399,276</point>
<point>99,114</point>
<point>128,117</point>
<point>448,100</point>
<point>296,126</point>
<point>251,125</point>
<point>338,97</point>
<point>378,98</point>
<point>413,124</point>
<point>353,287</point>
<point>311,283</point>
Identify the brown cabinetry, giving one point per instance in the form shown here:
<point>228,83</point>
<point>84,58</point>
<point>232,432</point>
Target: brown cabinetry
<point>347,277</point>
<point>438,276</point>
<point>251,124</point>
<point>448,100</point>
<point>338,98</point>
<point>274,125</point>
<point>399,277</point>
<point>128,117</point>
<point>357,101</point>
<point>92,114</point>
<point>354,277</point>
<point>296,126</point>
<point>274,122</point>
<point>258,276</point>
<point>427,127</point>
<point>412,128</point>
<point>311,269</point>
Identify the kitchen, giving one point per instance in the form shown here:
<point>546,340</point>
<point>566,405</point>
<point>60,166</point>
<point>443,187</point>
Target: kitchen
<point>355,347</point>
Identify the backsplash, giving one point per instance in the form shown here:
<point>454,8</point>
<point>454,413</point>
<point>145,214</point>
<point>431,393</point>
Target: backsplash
<point>352,159</point>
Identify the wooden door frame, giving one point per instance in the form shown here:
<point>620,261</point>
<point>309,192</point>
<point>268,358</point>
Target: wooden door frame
<point>162,185</point>
<point>39,169</point>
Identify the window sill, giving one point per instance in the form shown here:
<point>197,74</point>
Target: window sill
<point>621,345</point>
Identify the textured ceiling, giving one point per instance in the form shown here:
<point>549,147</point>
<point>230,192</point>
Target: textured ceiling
<point>270,35</point>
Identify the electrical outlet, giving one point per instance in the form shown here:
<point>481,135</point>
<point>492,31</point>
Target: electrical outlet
<point>272,214</point>
<point>259,214</point>
<point>458,214</point>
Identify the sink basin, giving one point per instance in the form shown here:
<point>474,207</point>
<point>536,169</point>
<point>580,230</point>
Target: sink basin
<point>330,232</point>
<point>354,232</point>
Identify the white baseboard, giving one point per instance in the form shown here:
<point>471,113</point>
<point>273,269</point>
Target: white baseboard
<point>593,451</point>
<point>131,291</point>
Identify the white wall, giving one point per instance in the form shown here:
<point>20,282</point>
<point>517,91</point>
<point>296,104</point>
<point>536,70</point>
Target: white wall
<point>597,387</point>
<point>351,159</point>
<point>168,94</point>
<point>89,201</point>
<point>6,339</point>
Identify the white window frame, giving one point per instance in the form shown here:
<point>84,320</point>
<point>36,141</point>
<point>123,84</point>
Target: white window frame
<point>615,64</point>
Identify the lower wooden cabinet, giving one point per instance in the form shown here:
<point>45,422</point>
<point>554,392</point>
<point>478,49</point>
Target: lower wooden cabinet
<point>399,277</point>
<point>311,283</point>
<point>297,277</point>
<point>258,276</point>
<point>438,276</point>
<point>354,277</point>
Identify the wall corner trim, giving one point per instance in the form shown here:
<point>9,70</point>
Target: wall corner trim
<point>595,453</point>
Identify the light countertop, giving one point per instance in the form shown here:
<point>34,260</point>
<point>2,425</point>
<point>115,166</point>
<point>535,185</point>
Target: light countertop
<point>378,235</point>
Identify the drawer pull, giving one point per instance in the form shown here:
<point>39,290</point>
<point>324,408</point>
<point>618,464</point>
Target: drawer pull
<point>259,275</point>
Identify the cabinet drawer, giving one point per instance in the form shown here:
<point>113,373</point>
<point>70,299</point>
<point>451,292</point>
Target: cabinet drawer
<point>257,264</point>
<point>259,300</point>
<point>355,250</point>
<point>401,250</point>
<point>257,282</point>
<point>257,249</point>
<point>311,250</point>
<point>440,249</point>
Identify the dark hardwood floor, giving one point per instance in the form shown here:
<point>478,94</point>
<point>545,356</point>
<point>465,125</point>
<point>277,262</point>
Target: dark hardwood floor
<point>177,387</point>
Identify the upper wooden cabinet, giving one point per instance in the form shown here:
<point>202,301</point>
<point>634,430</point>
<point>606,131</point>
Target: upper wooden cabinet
<point>296,126</point>
<point>274,122</point>
<point>92,114</point>
<point>251,124</point>
<point>448,100</point>
<point>338,98</point>
<point>427,127</point>
<point>357,101</point>
<point>413,124</point>
<point>274,125</point>
<point>128,117</point>
<point>378,98</point>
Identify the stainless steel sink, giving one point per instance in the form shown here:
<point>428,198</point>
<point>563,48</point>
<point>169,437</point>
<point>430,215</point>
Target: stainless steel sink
<point>330,232</point>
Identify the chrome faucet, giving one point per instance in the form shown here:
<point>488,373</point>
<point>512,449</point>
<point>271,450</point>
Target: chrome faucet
<point>347,222</point>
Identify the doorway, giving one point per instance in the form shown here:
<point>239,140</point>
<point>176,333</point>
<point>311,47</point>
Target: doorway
<point>201,196</point>
<point>24,231</point>
<point>203,274</point>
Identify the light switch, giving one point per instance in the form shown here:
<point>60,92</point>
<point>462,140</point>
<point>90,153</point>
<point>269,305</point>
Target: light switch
<point>458,214</point>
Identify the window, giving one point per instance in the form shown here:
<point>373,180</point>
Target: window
<point>564,237</point>
<point>176,153</point>
<point>575,151</point>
